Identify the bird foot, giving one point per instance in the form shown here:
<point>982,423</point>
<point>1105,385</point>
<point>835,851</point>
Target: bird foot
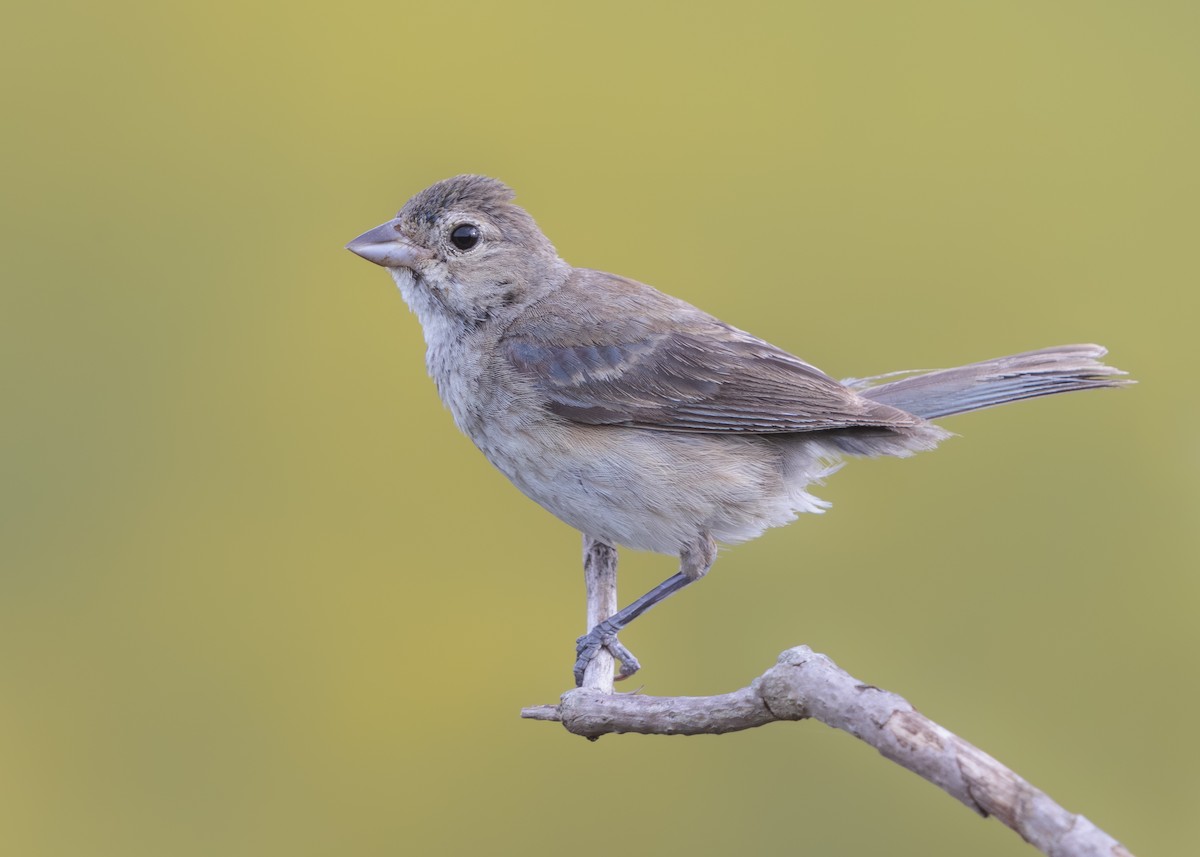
<point>603,636</point>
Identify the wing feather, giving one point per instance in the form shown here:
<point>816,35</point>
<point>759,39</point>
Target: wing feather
<point>663,364</point>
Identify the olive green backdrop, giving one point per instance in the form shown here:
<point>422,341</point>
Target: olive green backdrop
<point>258,597</point>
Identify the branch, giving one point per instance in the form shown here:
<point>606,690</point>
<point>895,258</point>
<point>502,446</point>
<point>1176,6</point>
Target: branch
<point>600,579</point>
<point>804,684</point>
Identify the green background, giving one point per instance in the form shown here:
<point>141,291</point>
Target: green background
<point>259,597</point>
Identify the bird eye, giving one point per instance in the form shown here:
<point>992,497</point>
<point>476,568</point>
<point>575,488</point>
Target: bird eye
<point>465,236</point>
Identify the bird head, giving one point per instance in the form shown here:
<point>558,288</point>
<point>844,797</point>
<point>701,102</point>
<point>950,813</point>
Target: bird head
<point>461,247</point>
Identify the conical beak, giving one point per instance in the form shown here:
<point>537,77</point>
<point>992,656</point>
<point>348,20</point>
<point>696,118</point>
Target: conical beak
<point>384,246</point>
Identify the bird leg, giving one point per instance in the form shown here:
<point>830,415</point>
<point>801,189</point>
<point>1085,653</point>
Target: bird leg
<point>694,563</point>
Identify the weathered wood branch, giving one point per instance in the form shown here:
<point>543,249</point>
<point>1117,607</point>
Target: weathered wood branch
<point>600,579</point>
<point>803,685</point>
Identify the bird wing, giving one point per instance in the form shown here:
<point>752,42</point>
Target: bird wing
<point>610,351</point>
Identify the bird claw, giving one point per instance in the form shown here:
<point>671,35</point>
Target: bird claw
<point>603,636</point>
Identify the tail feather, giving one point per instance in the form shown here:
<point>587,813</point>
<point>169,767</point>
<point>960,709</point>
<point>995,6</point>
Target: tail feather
<point>993,382</point>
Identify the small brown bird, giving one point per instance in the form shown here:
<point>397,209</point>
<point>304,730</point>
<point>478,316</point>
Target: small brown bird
<point>637,418</point>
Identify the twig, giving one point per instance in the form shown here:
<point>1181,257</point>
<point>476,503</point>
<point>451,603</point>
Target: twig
<point>600,578</point>
<point>804,684</point>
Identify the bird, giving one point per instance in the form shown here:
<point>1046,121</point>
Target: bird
<point>639,419</point>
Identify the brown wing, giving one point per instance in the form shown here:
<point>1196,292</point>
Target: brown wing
<point>644,359</point>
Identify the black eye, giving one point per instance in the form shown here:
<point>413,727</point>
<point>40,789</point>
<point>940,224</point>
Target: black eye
<point>465,236</point>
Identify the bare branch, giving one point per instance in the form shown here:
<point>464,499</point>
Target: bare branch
<point>804,684</point>
<point>600,579</point>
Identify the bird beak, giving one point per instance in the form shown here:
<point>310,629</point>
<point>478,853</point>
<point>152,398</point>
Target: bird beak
<point>384,246</point>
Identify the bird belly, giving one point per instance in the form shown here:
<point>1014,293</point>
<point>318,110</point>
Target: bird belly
<point>659,491</point>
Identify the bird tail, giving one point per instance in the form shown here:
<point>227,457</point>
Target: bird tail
<point>993,382</point>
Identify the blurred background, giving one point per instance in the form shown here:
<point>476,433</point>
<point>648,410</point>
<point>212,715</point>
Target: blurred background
<point>259,597</point>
